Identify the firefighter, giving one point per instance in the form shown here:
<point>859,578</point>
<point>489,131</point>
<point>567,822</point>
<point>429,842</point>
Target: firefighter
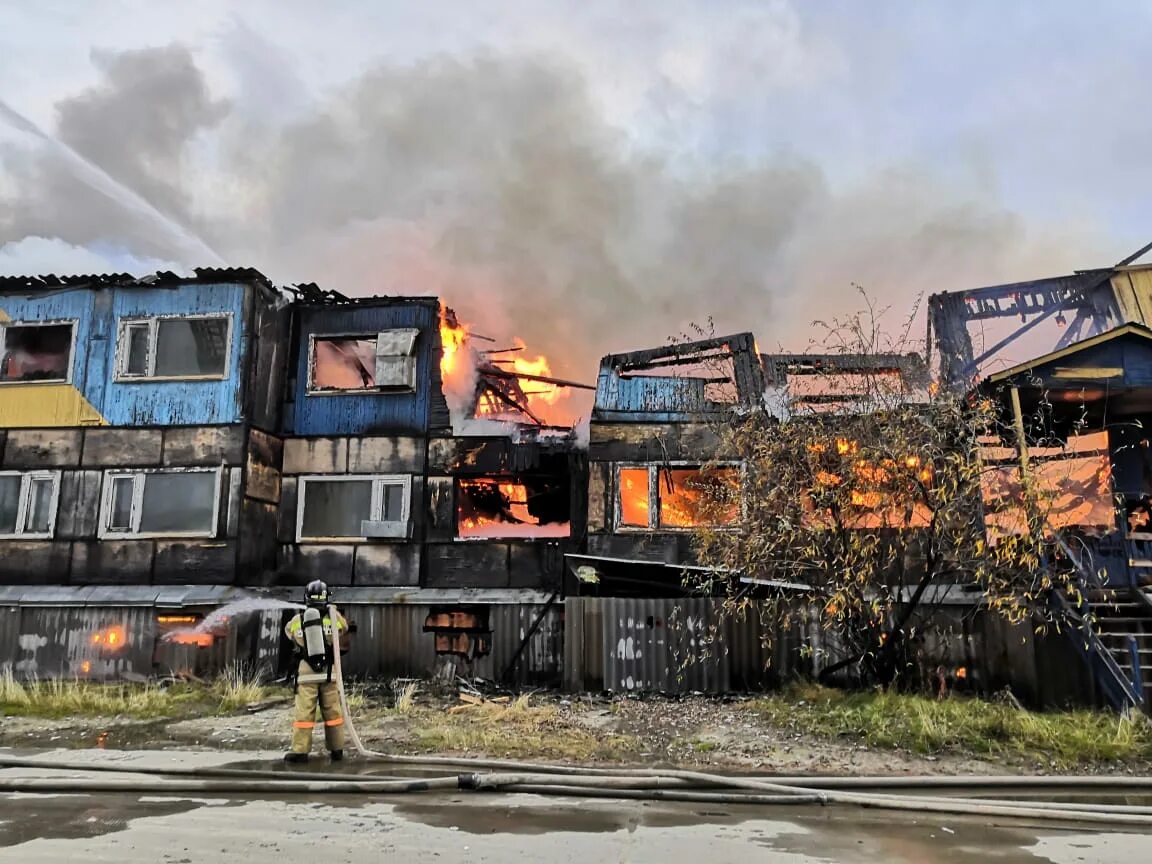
<point>314,633</point>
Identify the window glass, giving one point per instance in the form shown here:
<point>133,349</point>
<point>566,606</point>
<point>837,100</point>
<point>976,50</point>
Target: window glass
<point>336,508</point>
<point>634,497</point>
<point>178,503</point>
<point>36,352</point>
<point>9,504</point>
<point>120,513</point>
<point>39,518</point>
<point>344,363</point>
<point>188,347</point>
<point>690,497</point>
<point>393,503</point>
<point>137,336</point>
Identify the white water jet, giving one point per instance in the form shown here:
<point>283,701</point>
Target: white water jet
<point>97,178</point>
<point>217,618</point>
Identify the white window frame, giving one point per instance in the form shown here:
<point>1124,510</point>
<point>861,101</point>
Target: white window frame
<point>379,481</point>
<point>653,470</point>
<point>26,478</point>
<point>153,324</point>
<point>139,478</point>
<point>379,336</point>
<point>70,322</point>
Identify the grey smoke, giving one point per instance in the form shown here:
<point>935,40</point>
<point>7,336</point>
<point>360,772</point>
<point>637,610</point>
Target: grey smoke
<point>496,183</point>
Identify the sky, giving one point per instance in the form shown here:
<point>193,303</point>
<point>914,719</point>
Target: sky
<point>592,176</point>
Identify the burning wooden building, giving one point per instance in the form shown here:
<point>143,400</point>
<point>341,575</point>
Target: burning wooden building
<point>171,443</point>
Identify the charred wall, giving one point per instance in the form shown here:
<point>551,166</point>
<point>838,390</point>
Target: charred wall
<point>616,446</point>
<point>357,561</point>
<point>550,474</point>
<point>80,552</point>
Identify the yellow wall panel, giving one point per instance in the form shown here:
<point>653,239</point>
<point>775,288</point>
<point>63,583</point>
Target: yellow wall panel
<point>44,405</point>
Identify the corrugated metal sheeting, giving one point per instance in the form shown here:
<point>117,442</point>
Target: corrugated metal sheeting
<point>390,642</point>
<point>680,645</point>
<point>106,642</point>
<point>110,642</point>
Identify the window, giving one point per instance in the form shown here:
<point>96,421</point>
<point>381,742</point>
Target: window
<point>36,352</point>
<point>149,503</point>
<point>193,347</point>
<point>515,506</point>
<point>350,364</point>
<point>28,503</point>
<point>355,507</point>
<point>676,496</point>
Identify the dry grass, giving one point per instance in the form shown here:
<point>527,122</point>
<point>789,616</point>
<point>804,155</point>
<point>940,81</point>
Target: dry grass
<point>69,697</point>
<point>960,725</point>
<point>12,692</point>
<point>406,698</point>
<point>62,697</point>
<point>238,685</point>
<point>518,729</point>
<point>355,694</point>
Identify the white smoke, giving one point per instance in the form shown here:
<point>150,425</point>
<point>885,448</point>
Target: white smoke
<point>500,184</point>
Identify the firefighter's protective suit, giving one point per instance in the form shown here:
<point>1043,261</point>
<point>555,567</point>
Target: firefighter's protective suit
<point>313,686</point>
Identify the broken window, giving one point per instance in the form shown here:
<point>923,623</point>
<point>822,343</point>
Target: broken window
<point>36,352</point>
<point>186,347</point>
<point>178,503</point>
<point>513,507</point>
<point>28,503</point>
<point>464,631</point>
<point>353,507</point>
<point>385,360</point>
<point>656,496</point>
<point>634,492</point>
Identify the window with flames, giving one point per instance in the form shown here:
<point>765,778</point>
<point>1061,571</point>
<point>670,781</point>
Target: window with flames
<point>513,507</point>
<point>677,496</point>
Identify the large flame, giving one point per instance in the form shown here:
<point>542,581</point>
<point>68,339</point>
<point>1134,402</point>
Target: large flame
<point>463,369</point>
<point>452,338</point>
<point>492,507</point>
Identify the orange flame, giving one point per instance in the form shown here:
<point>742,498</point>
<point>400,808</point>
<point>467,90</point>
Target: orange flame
<point>110,637</point>
<point>190,637</point>
<point>452,338</point>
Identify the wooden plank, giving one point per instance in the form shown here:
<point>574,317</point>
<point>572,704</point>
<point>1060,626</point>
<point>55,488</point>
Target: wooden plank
<point>1088,372</point>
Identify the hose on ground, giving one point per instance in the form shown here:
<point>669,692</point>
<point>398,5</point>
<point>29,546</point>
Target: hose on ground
<point>654,785</point>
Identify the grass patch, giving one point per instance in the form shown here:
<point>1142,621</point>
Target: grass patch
<point>238,685</point>
<point>60,698</point>
<point>960,725</point>
<point>406,698</point>
<point>518,729</point>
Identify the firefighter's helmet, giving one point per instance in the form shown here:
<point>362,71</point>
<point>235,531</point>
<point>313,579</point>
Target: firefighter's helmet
<point>316,593</point>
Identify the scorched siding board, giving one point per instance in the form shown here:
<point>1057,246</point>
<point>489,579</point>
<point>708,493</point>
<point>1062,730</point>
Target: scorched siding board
<point>348,414</point>
<point>24,405</point>
<point>176,403</point>
<point>93,396</point>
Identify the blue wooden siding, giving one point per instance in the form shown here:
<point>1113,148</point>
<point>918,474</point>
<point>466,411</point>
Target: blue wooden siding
<point>157,403</point>
<point>76,306</point>
<point>1131,353</point>
<point>651,399</point>
<point>352,414</point>
<point>177,403</point>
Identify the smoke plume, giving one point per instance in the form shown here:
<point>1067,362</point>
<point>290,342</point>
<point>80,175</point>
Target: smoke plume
<point>497,183</point>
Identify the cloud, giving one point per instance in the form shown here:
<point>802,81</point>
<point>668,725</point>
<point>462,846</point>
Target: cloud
<point>505,183</point>
<point>35,256</point>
